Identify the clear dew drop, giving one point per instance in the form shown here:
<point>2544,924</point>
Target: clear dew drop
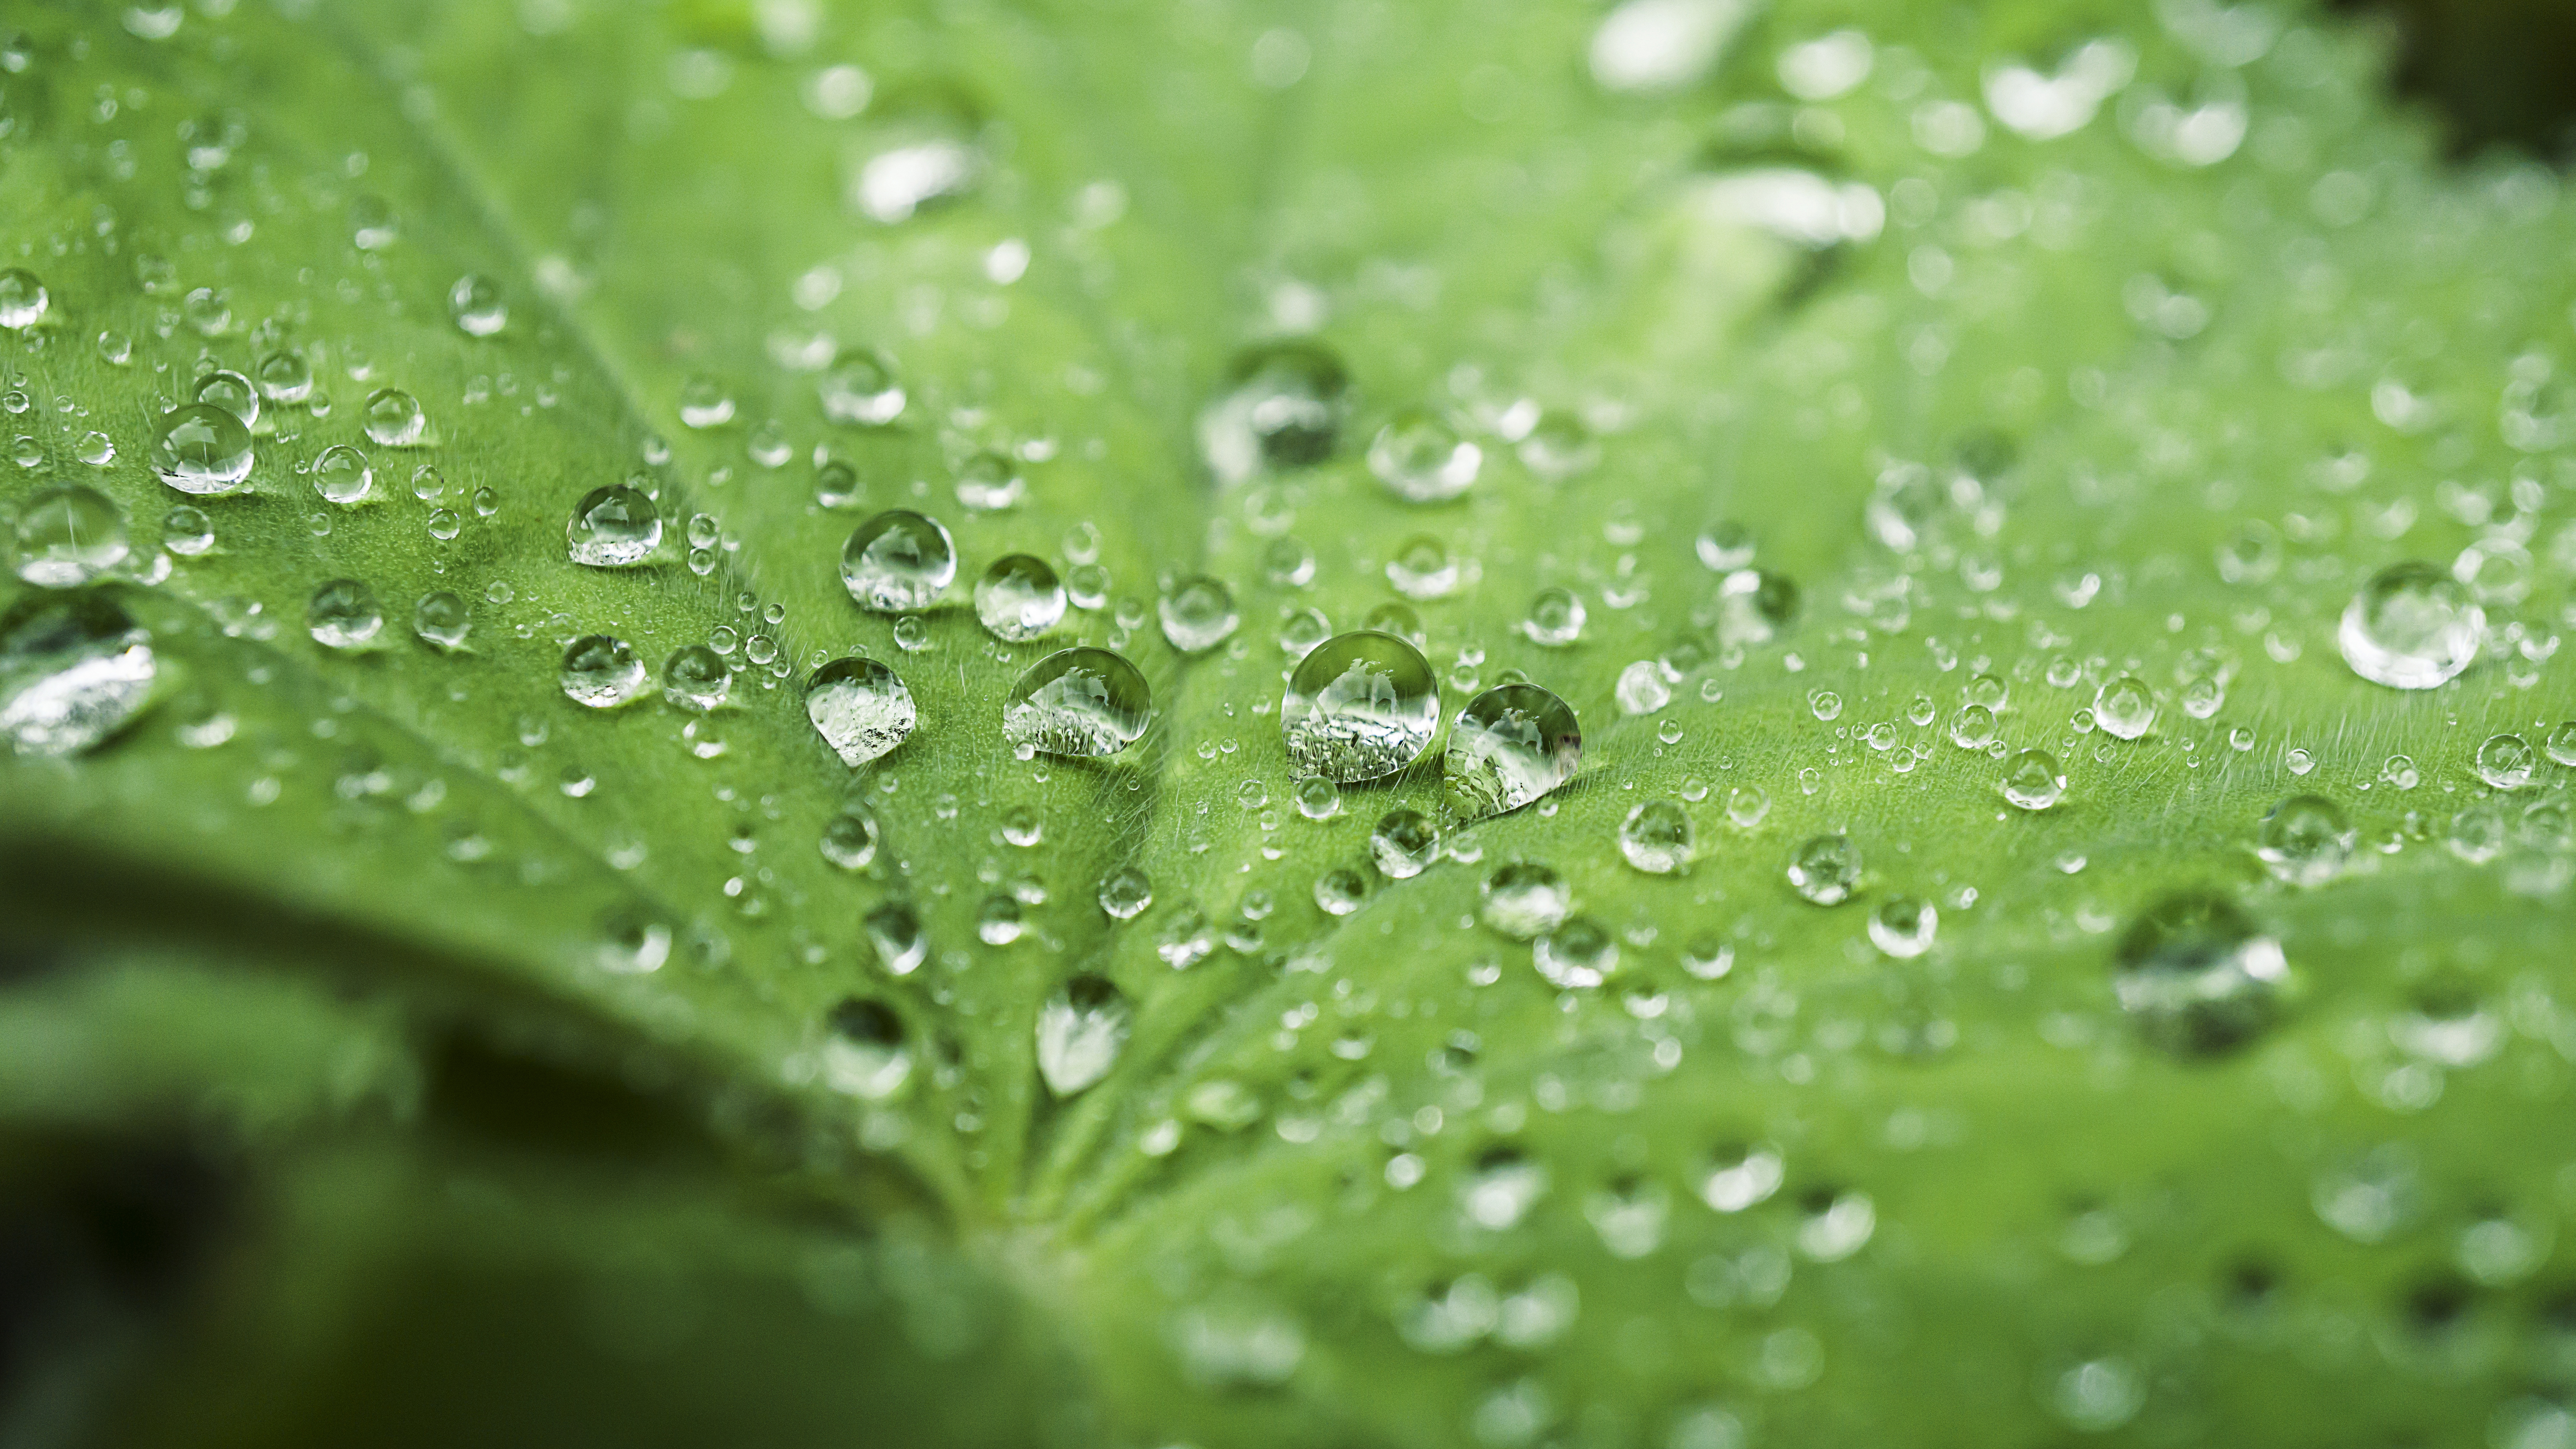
<point>1423,569</point>
<point>1656,837</point>
<point>988,482</point>
<point>1973,727</point>
<point>1509,746</point>
<point>2506,761</point>
<point>1198,614</point>
<point>2197,975</point>
<point>1340,891</point>
<point>2032,780</point>
<point>1501,1188</point>
<point>1422,459</point>
<point>613,527</point>
<point>394,418</point>
<point>342,475</point>
<point>1903,926</point>
<point>442,620</point>
<point>860,708</point>
<point>1282,408</point>
<point>232,392</point>
<point>1724,546</point>
<point>861,389</point>
<point>201,449</point>
<point>865,1056</point>
<point>22,297</point>
<point>601,672</point>
<point>74,669</point>
<point>695,679</point>
<point>1081,701</point>
<point>187,531</point>
<point>1555,618</point>
<point>284,377</point>
<point>1404,843</point>
<point>1316,798</point>
<point>1524,900</point>
<point>1125,893</point>
<point>1019,598</point>
<point>1578,955</point>
<point>67,536</point>
<point>1642,688</point>
<point>2305,840</point>
<point>2561,744</point>
<point>1825,869</point>
<point>2125,708</point>
<point>849,839</point>
<point>343,614</point>
<point>1080,1031</point>
<point>895,933</point>
<point>898,562</point>
<point>917,158</point>
<point>2412,626</point>
<point>1742,1176</point>
<point>1359,706</point>
<point>476,305</point>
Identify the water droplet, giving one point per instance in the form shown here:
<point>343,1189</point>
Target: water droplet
<point>1317,798</point>
<point>1404,844</point>
<point>1423,569</point>
<point>232,392</point>
<point>860,708</point>
<point>69,535</point>
<point>1754,606</point>
<point>442,619</point>
<point>1080,701</point>
<point>694,678</point>
<point>1558,446</point>
<point>1302,631</point>
<point>1080,1032</point>
<point>1555,618</point>
<point>2561,743</point>
<point>1360,706</point>
<point>1642,688</point>
<point>2032,780</point>
<point>1509,746</point>
<point>1742,1176</point>
<point>918,157</point>
<point>343,614</point>
<point>601,672</point>
<point>1198,614</point>
<point>1420,456</point>
<point>22,299</point>
<point>1125,893</point>
<point>187,531</point>
<point>2197,974</point>
<point>1340,891</point>
<point>476,304</point>
<point>2412,626</point>
<point>1282,408</point>
<point>704,403</point>
<point>202,449</point>
<point>284,377</point>
<point>2506,761</point>
<point>1826,869</point>
<point>1525,900</point>
<point>1973,727</point>
<point>898,562</point>
<point>1725,546</point>
<point>860,389</point>
<point>1019,598</point>
<point>394,418</point>
<point>2305,840</point>
<point>1656,837</point>
<point>894,932</point>
<point>998,921</point>
<point>865,1056</point>
<point>2125,707</point>
<point>1577,955</point>
<point>613,527</point>
<point>74,668</point>
<point>1903,926</point>
<point>341,474</point>
<point>850,838</point>
<point>1746,805</point>
<point>1288,563</point>
<point>631,943</point>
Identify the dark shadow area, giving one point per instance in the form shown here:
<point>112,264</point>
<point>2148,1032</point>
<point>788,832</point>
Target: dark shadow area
<point>2498,72</point>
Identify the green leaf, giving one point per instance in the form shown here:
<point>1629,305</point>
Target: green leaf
<point>2062,366</point>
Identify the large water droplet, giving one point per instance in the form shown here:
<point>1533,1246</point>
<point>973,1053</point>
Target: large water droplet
<point>2197,974</point>
<point>1359,706</point>
<point>2412,626</point>
<point>1525,900</point>
<point>1282,408</point>
<point>612,527</point>
<point>850,838</point>
<point>1656,837</point>
<point>694,678</point>
<point>342,475</point>
<point>2125,707</point>
<point>343,614</point>
<point>1080,1032</point>
<point>1019,598</point>
<point>1126,893</point>
<point>69,535</point>
<point>393,418</point>
<point>73,670</point>
<point>1509,746</point>
<point>2305,840</point>
<point>1078,702</point>
<point>1826,869</point>
<point>601,672</point>
<point>860,389</point>
<point>860,708</point>
<point>442,619</point>
<point>477,305</point>
<point>2032,780</point>
<point>898,561</point>
<point>201,449</point>
<point>1198,614</point>
<point>1422,458</point>
<point>232,392</point>
<point>1903,926</point>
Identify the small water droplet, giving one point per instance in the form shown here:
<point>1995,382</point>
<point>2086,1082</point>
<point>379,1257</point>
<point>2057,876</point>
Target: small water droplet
<point>1656,837</point>
<point>861,390</point>
<point>1825,869</point>
<point>442,619</point>
<point>2197,974</point>
<point>865,1056</point>
<point>860,708</point>
<point>476,304</point>
<point>2506,761</point>
<point>2032,780</point>
<point>1509,746</point>
<point>2305,840</point>
<point>2125,707</point>
<point>1019,598</point>
<point>22,298</point>
<point>1282,408</point>
<point>894,932</point>
<point>1421,457</point>
<point>1198,614</point>
<point>201,449</point>
<point>694,678</point>
<point>898,562</point>
<point>613,527</point>
<point>849,838</point>
<point>1903,926</point>
<point>1404,844</point>
<point>1577,955</point>
<point>341,474</point>
<point>69,535</point>
<point>2412,626</point>
<point>1555,618</point>
<point>1080,1031</point>
<point>394,418</point>
<point>343,614</point>
<point>601,672</point>
<point>1125,893</point>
